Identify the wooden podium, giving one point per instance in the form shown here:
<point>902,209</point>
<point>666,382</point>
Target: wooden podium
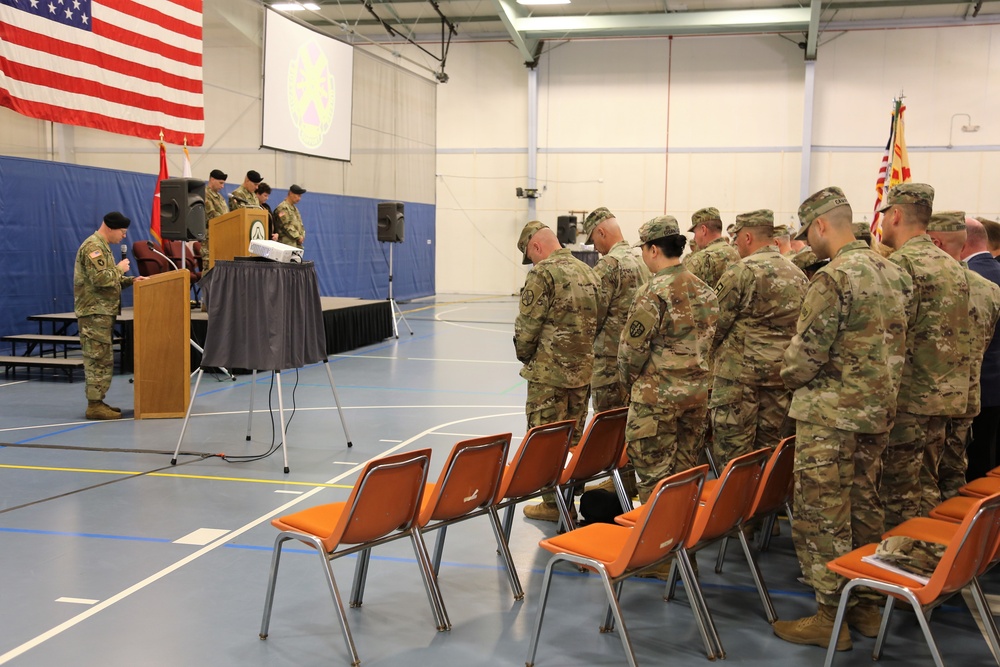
<point>162,345</point>
<point>229,235</point>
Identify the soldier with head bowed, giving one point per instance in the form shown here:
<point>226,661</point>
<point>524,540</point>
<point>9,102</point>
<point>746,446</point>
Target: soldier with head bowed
<point>711,255</point>
<point>663,359</point>
<point>844,365</point>
<point>938,355</point>
<point>97,287</point>
<point>759,301</point>
<point>245,196</point>
<point>554,338</point>
<point>291,231</point>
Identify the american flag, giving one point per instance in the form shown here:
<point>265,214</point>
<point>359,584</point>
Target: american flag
<point>121,66</point>
<point>895,168</point>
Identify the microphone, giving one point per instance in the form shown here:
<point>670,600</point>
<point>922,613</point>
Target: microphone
<point>124,251</point>
<point>152,248</point>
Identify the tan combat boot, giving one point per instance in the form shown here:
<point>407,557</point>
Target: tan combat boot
<point>866,618</point>
<point>814,630</point>
<point>661,571</point>
<point>542,512</point>
<point>97,410</point>
<point>111,407</point>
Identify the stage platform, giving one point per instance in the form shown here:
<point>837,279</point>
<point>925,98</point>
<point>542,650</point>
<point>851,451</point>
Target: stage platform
<point>349,324</point>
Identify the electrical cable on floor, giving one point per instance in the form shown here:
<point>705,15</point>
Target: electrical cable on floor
<point>109,482</point>
<point>275,444</point>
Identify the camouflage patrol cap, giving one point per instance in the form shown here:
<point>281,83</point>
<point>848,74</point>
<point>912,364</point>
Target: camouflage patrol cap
<point>862,231</point>
<point>782,230</point>
<point>804,258</point>
<point>704,215</point>
<point>760,218</point>
<point>985,220</point>
<point>817,204</point>
<point>658,228</point>
<point>596,217</point>
<point>947,221</point>
<point>529,230</point>
<point>920,194</point>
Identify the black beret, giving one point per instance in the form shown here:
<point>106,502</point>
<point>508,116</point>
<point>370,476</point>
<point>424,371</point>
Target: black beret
<point>254,177</point>
<point>219,175</point>
<point>297,190</point>
<point>116,220</point>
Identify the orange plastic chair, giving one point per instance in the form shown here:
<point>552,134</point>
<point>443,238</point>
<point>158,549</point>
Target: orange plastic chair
<point>382,507</point>
<point>598,455</point>
<point>617,552</point>
<point>981,487</point>
<point>468,488</point>
<point>535,469</point>
<point>970,544</point>
<point>723,508</point>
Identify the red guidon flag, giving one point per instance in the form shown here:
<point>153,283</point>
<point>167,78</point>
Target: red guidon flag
<point>121,66</point>
<point>154,220</point>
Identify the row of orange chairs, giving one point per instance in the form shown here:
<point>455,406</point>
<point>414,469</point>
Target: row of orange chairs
<point>969,526</point>
<point>392,499</point>
<point>684,514</point>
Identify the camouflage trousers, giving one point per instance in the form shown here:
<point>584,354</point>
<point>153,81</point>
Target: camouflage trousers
<point>755,417</point>
<point>609,397</point>
<point>954,462</point>
<point>547,404</point>
<point>915,446</point>
<point>835,503</point>
<point>662,442</point>
<point>96,332</point>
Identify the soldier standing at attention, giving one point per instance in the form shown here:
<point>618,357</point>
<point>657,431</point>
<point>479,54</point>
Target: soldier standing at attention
<point>97,291</point>
<point>713,255</point>
<point>759,302</point>
<point>554,338</point>
<point>215,205</point>
<point>844,365</point>
<point>783,239</point>
<point>290,228</point>
<point>662,358</point>
<point>243,196</point>
<point>620,274</point>
<point>938,355</point>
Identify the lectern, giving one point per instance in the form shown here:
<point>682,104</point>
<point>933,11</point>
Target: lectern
<point>162,345</point>
<point>229,235</point>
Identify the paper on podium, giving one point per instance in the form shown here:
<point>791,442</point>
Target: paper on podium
<point>279,252</point>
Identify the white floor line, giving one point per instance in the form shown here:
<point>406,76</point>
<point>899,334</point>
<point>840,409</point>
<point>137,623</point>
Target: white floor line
<point>201,537</point>
<point>153,578</point>
<point>10,384</point>
<point>350,463</point>
<point>390,441</point>
<point>77,600</point>
<point>291,493</point>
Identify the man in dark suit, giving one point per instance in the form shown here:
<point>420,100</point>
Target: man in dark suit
<point>982,451</point>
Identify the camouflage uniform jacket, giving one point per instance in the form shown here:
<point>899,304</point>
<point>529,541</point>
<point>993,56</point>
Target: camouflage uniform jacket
<point>984,310</point>
<point>557,322</point>
<point>290,228</point>
<point>711,262</point>
<point>97,280</point>
<point>846,359</point>
<point>215,205</point>
<point>936,374</point>
<point>759,302</point>
<point>663,353</point>
<point>621,274</point>
<point>243,198</point>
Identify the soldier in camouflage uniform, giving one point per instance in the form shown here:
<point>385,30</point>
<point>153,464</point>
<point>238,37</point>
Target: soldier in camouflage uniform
<point>97,288</point>
<point>620,274</point>
<point>863,232</point>
<point>947,231</point>
<point>554,338</point>
<point>759,301</point>
<point>662,358</point>
<point>215,205</point>
<point>844,365</point>
<point>243,196</point>
<point>714,254</point>
<point>938,355</point>
<point>783,239</point>
<point>290,228</point>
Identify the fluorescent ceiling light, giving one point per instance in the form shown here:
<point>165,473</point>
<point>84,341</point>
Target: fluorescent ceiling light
<point>543,2</point>
<point>294,6</point>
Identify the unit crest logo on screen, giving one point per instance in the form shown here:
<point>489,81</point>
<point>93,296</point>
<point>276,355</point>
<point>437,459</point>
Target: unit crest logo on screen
<point>312,94</point>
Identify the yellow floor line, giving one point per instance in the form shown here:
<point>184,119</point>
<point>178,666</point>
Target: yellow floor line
<point>179,475</point>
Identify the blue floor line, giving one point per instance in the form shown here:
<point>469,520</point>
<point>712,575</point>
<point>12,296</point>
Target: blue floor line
<point>47,435</point>
<point>61,533</point>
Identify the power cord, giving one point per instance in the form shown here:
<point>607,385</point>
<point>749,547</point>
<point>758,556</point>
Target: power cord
<point>275,444</point>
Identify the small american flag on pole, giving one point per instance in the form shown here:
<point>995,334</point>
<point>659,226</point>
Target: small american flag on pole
<point>126,67</point>
<point>895,168</point>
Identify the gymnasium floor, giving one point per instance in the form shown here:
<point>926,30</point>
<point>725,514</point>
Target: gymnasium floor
<point>111,556</point>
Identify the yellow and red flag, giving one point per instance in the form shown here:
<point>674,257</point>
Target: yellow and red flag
<point>895,168</point>
<point>154,221</point>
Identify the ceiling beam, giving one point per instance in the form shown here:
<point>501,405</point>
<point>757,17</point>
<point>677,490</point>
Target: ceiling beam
<point>509,16</point>
<point>812,34</point>
<point>677,23</point>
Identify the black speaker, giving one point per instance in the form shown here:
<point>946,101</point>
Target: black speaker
<point>566,229</point>
<point>182,209</point>
<point>390,221</point>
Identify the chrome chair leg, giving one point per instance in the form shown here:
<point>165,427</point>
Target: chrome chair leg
<point>360,577</point>
<point>504,550</point>
<point>434,596</point>
<point>271,581</point>
<point>542,599</point>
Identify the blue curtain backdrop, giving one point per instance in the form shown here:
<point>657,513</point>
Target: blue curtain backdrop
<point>48,208</point>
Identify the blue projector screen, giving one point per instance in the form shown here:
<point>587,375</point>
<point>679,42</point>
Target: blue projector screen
<point>308,79</point>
